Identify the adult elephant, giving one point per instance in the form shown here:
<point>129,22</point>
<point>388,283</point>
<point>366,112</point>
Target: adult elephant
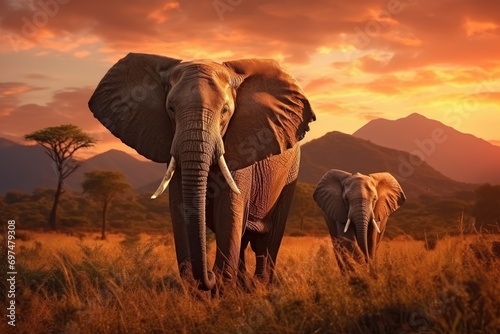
<point>230,132</point>
<point>356,208</point>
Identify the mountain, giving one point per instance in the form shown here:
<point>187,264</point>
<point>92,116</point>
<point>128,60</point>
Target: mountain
<point>341,151</point>
<point>138,173</point>
<point>6,143</point>
<point>25,168</point>
<point>457,155</point>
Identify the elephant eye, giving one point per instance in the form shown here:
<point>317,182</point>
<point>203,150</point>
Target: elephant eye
<point>170,106</point>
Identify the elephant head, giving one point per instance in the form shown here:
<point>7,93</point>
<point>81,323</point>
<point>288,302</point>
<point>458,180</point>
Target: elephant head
<point>196,114</point>
<point>358,201</point>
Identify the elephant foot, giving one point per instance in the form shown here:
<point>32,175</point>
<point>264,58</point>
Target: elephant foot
<point>191,291</point>
<point>359,286</point>
<point>246,283</point>
<point>189,286</point>
<point>372,271</point>
<point>170,283</point>
<point>228,287</point>
<point>268,279</point>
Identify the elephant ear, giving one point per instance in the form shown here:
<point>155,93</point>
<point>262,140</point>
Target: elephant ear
<point>328,195</point>
<point>390,195</point>
<point>130,102</point>
<point>271,112</point>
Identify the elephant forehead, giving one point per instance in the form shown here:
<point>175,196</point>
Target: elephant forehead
<point>209,79</point>
<point>203,69</point>
<point>361,183</point>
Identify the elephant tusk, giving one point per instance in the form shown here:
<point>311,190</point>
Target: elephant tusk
<point>376,226</point>
<point>166,179</point>
<point>227,175</point>
<point>347,225</point>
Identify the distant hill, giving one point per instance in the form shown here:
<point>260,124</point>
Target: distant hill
<point>138,172</point>
<point>460,156</point>
<point>346,152</point>
<point>25,168</point>
<point>6,143</point>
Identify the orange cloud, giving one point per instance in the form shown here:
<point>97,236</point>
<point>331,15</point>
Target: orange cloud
<point>66,106</point>
<point>369,116</point>
<point>479,28</point>
<point>391,84</point>
<point>10,93</point>
<point>489,97</point>
<point>320,85</point>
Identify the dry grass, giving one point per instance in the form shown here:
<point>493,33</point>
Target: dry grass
<point>80,285</point>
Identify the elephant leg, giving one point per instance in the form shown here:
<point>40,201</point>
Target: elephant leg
<point>344,244</point>
<point>229,217</point>
<point>244,280</point>
<point>346,248</point>
<point>348,254</point>
<point>179,227</point>
<point>266,246</point>
<point>336,230</point>
<point>352,252</point>
<point>377,237</point>
<point>242,268</point>
<point>245,240</point>
<point>340,256</point>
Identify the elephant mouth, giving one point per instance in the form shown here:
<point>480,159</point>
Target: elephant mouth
<point>171,169</point>
<point>374,222</point>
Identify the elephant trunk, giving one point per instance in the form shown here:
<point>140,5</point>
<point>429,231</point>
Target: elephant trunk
<point>362,238</point>
<point>196,157</point>
<point>361,220</point>
<point>194,188</point>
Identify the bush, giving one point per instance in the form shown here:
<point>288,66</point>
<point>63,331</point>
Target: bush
<point>74,222</point>
<point>13,197</point>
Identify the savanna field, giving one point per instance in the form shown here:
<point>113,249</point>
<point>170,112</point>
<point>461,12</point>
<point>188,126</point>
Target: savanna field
<point>130,284</point>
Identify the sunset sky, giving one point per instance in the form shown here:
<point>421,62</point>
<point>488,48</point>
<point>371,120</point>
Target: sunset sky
<point>356,60</point>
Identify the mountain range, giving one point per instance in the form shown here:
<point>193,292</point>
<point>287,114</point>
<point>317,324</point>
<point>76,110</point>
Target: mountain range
<point>462,157</point>
<point>25,168</point>
<point>346,152</point>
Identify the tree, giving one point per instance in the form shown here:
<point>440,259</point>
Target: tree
<point>61,143</point>
<point>487,205</point>
<point>104,187</point>
<point>303,203</point>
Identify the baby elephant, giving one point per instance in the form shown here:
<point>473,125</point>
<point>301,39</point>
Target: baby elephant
<point>356,208</point>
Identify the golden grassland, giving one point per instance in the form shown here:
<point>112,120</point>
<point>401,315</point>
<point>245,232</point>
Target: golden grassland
<point>69,284</point>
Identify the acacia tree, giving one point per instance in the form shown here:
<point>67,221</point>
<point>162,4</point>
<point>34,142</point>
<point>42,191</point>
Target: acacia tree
<point>302,203</point>
<point>61,143</point>
<point>103,187</point>
<point>487,205</point>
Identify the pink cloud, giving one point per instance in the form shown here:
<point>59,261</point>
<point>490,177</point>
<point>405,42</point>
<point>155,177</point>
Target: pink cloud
<point>66,106</point>
<point>323,84</point>
<point>10,93</point>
